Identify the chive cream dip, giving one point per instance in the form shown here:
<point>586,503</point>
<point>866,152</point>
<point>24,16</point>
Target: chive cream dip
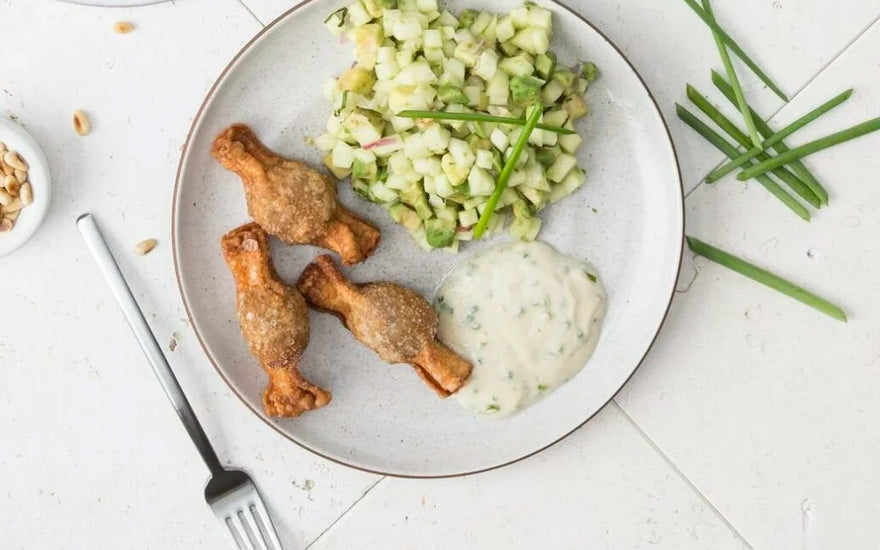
<point>526,316</point>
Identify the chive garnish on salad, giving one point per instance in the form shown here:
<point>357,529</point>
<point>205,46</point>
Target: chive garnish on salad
<point>427,120</point>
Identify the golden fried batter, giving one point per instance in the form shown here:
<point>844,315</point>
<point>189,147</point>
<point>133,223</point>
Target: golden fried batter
<point>274,320</point>
<point>393,321</point>
<point>292,201</point>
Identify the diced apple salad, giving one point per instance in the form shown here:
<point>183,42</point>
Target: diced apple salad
<point>435,176</point>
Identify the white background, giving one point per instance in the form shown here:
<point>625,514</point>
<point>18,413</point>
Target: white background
<point>753,423</point>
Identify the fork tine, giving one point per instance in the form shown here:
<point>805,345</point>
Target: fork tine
<point>260,512</point>
<point>255,529</point>
<point>238,528</point>
<point>230,533</point>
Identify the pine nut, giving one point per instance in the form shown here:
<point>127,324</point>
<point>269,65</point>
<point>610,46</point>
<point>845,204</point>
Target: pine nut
<point>122,27</point>
<point>12,186</point>
<point>13,206</point>
<point>26,194</point>
<point>144,247</point>
<point>15,191</point>
<point>81,123</point>
<point>12,159</point>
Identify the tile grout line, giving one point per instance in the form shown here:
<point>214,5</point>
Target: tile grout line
<point>345,513</point>
<point>682,476</point>
<point>797,92</point>
<point>831,61</point>
<point>250,11</point>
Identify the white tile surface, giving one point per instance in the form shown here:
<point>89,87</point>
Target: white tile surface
<point>766,405</point>
<point>670,46</point>
<point>91,454</point>
<point>603,488</point>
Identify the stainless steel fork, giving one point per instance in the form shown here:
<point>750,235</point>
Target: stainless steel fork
<point>231,494</point>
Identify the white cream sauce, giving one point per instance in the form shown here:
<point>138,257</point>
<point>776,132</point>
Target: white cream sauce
<point>526,316</point>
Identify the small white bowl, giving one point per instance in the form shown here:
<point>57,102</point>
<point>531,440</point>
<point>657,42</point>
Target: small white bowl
<point>17,139</point>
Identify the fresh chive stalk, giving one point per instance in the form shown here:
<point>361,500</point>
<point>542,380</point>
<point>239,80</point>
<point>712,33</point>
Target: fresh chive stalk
<point>507,170</point>
<point>722,171</point>
<point>734,80</point>
<point>733,131</point>
<point>765,278</point>
<point>798,169</point>
<point>731,43</point>
<point>479,117</point>
<point>715,139</point>
<point>796,166</point>
<point>341,12</point>
<point>812,147</point>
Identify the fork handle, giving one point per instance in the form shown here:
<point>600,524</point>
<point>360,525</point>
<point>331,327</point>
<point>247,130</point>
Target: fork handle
<point>145,337</point>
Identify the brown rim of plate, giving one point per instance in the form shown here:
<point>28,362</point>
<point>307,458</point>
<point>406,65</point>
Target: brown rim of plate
<point>274,426</point>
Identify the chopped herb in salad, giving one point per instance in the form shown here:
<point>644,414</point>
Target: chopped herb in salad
<point>427,117</point>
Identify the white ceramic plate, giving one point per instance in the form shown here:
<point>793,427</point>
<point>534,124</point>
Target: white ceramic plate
<point>627,220</point>
<point>17,139</point>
